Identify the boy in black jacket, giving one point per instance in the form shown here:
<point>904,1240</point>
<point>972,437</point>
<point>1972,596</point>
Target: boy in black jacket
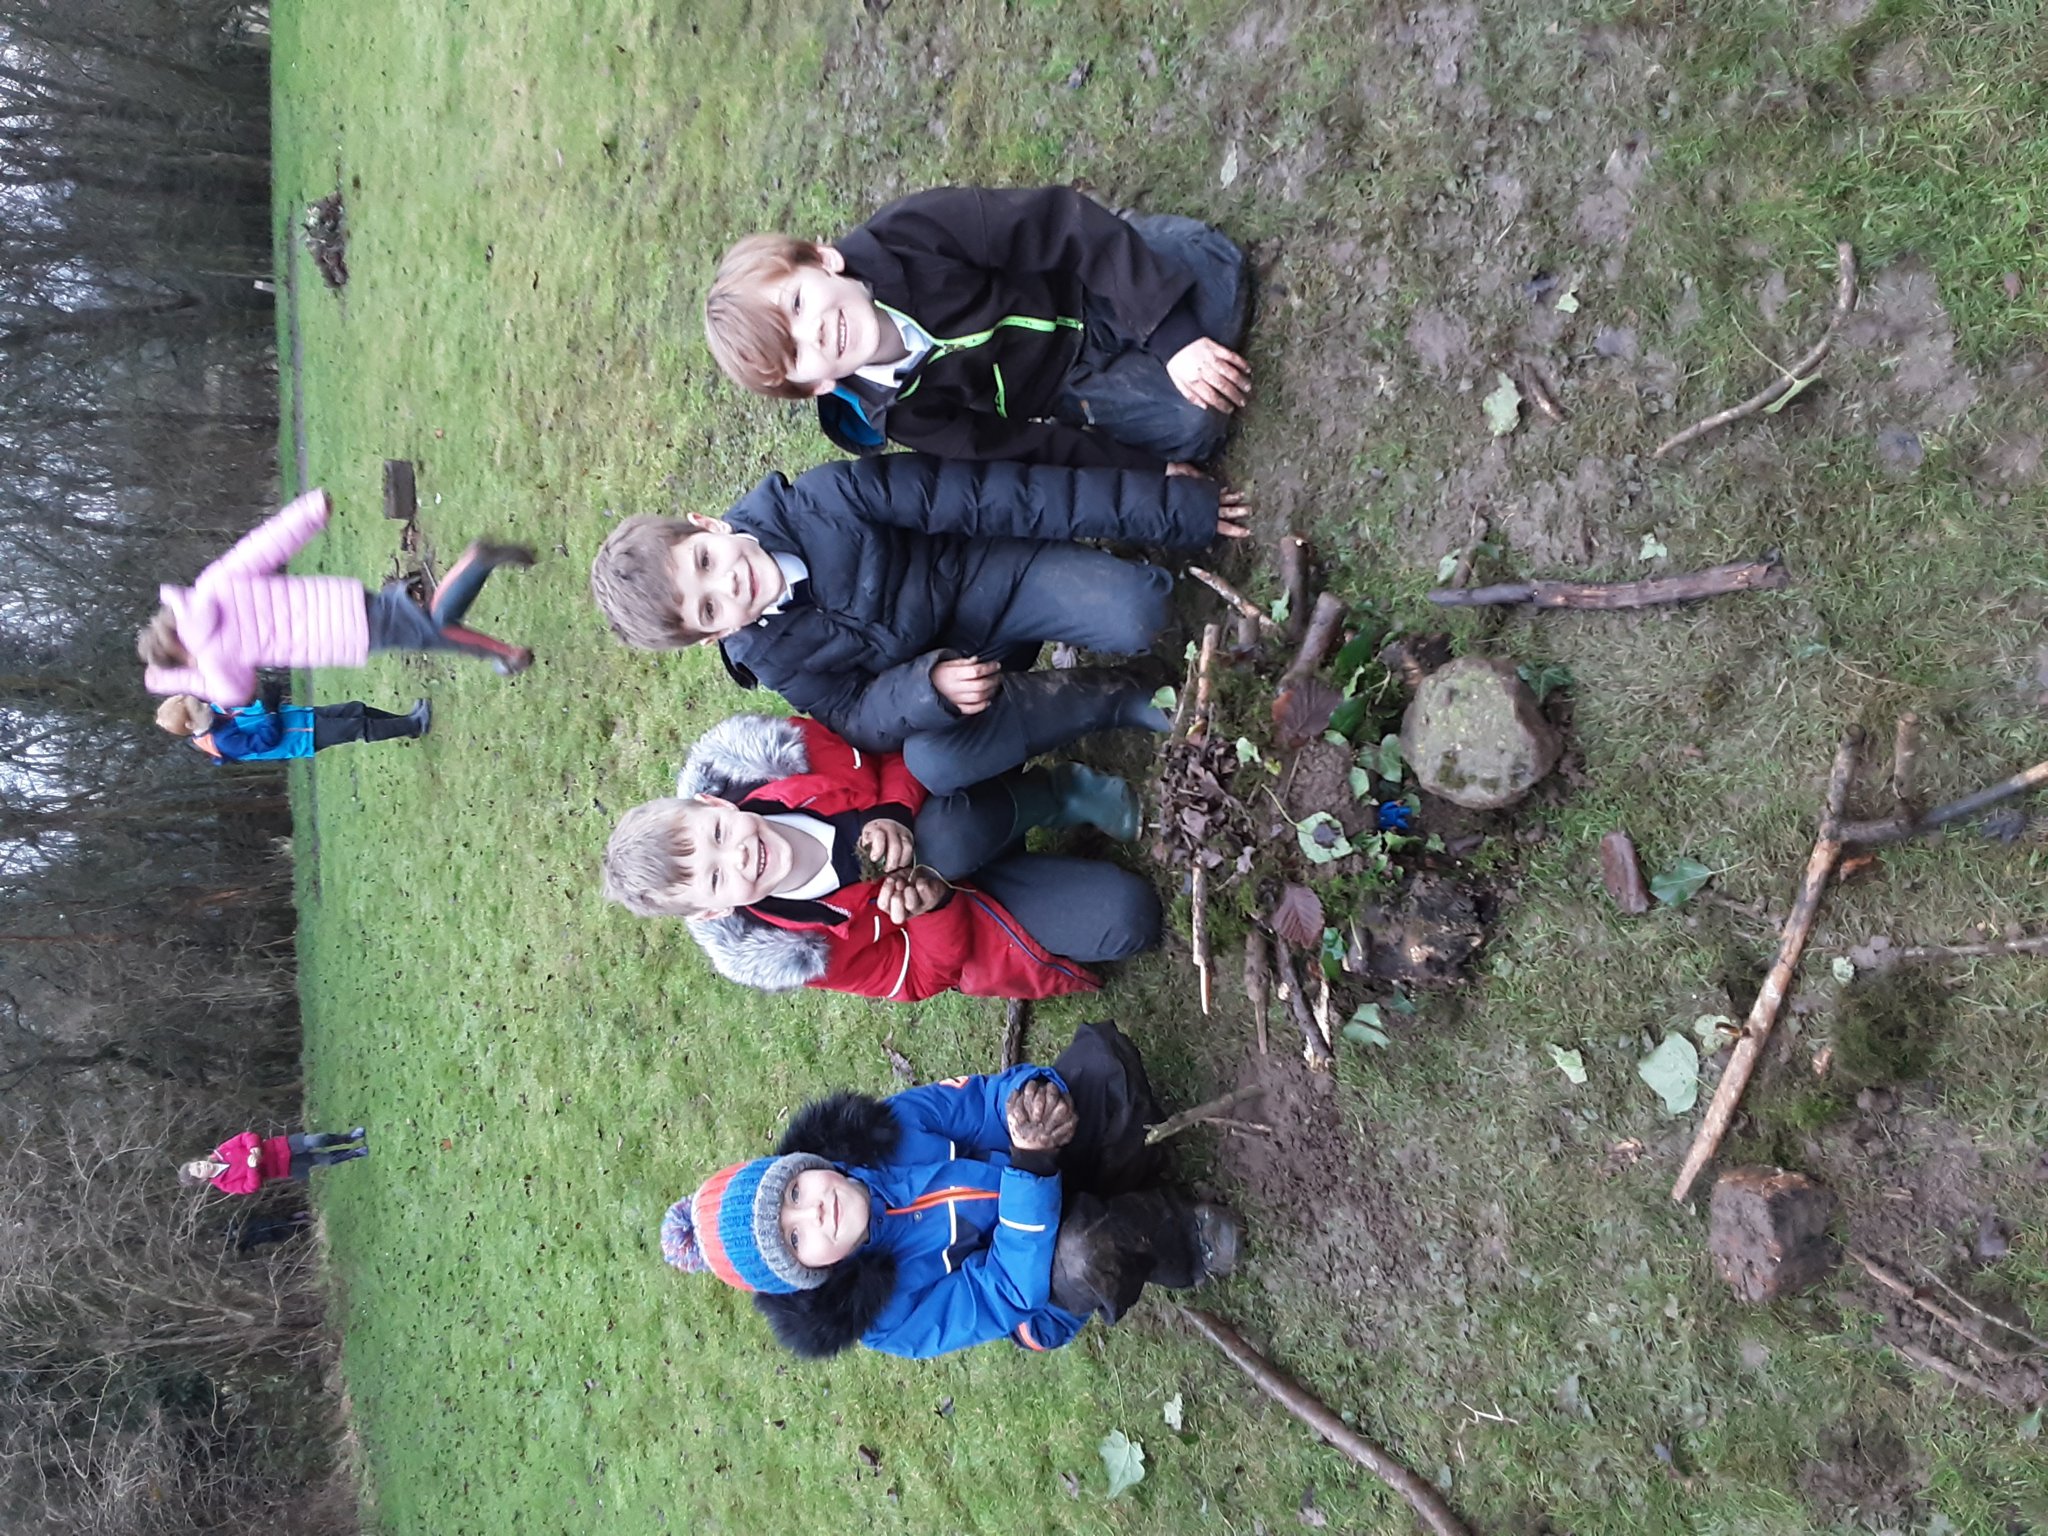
<point>978,323</point>
<point>898,599</point>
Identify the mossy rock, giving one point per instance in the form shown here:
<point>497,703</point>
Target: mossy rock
<point>1474,735</point>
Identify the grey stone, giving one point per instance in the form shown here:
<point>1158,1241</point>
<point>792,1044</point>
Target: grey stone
<point>1474,735</point>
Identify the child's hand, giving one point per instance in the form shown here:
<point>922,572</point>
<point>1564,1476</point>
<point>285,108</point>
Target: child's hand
<point>887,843</point>
<point>1211,375</point>
<point>1040,1117</point>
<point>910,893</point>
<point>1233,515</point>
<point>1180,471</point>
<point>967,682</point>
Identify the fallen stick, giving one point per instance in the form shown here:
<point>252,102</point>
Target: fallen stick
<point>1246,608</point>
<point>1290,1394</point>
<point>1016,1020</point>
<point>1796,377</point>
<point>1205,671</point>
<point>1325,627</point>
<point>1214,1109</point>
<point>1905,759</point>
<point>1949,1371</point>
<point>1293,561</point>
<point>1461,572</point>
<point>1184,702</point>
<point>1992,1318</point>
<point>1198,928</point>
<point>1899,1285</point>
<point>2033,944</point>
<point>1756,1030</point>
<point>1258,972</point>
<point>1245,637</point>
<point>1318,1054</point>
<point>1538,390</point>
<point>1899,829</point>
<point>1765,575</point>
<point>1255,1127</point>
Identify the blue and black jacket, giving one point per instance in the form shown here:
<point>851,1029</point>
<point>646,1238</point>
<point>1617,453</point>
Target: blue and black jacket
<point>258,734</point>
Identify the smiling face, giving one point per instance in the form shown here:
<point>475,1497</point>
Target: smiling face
<point>824,1216</point>
<point>833,323</point>
<point>723,580</point>
<point>735,858</point>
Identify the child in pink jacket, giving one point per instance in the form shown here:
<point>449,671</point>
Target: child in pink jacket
<point>243,1164</point>
<point>244,612</point>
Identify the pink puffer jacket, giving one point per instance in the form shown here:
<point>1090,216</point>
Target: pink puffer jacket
<point>243,613</point>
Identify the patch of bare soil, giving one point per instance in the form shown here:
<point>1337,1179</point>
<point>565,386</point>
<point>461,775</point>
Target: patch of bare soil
<point>1902,69</point>
<point>1441,342</point>
<point>1865,1471</point>
<point>1606,213</point>
<point>1906,346</point>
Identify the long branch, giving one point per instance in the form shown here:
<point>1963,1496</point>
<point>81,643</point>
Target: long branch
<point>1290,1394</point>
<point>1214,1109</point>
<point>1792,378</point>
<point>1765,575</point>
<point>1899,829</point>
<point>1763,1016</point>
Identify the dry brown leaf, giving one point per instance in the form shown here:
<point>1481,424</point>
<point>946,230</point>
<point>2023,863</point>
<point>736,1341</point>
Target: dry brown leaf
<point>1298,917</point>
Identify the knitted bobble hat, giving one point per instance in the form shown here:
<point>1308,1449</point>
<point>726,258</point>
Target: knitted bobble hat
<point>732,1226</point>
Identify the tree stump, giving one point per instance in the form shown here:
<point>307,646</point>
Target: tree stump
<point>1767,1232</point>
<point>1474,735</point>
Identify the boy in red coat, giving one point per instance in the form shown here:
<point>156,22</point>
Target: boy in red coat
<point>243,1164</point>
<point>762,850</point>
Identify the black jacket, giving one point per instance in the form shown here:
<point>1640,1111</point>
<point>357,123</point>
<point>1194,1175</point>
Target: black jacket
<point>958,260</point>
<point>912,560</point>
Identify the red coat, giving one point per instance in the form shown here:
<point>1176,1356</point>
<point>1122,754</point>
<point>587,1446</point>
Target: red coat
<point>273,1161</point>
<point>970,945</point>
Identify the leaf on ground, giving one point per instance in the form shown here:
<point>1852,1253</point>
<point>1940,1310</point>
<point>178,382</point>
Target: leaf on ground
<point>1277,609</point>
<point>1230,164</point>
<point>1246,752</point>
<point>1681,882</point>
<point>1390,758</point>
<point>1568,302</point>
<point>1357,651</point>
<point>1447,567</point>
<point>1570,1063</point>
<point>1347,717</point>
<point>1165,698</point>
<point>899,1064</point>
<point>1365,1034</point>
<point>1304,711</point>
<point>1124,1458</point>
<point>1844,969</point>
<point>1172,1411</point>
<point>1360,782</point>
<point>1653,548</point>
<point>1331,953</point>
<point>1322,838</point>
<point>1545,679</point>
<point>2030,1426</point>
<point>1503,407</point>
<point>1673,1072</point>
<point>1298,916</point>
<point>1713,1031</point>
<point>1799,387</point>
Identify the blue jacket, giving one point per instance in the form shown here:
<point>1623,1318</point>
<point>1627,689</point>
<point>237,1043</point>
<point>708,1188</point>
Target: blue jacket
<point>256,734</point>
<point>960,1238</point>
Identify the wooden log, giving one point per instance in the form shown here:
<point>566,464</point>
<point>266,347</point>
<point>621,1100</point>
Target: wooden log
<point>1763,1015</point>
<point>1293,561</point>
<point>1765,575</point>
<point>1899,829</point>
<point>1258,972</point>
<point>1317,1053</point>
<point>1325,629</point>
<point>1795,377</point>
<point>1290,1394</point>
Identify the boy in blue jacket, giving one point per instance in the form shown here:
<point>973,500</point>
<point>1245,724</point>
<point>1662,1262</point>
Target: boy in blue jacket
<point>1013,1206</point>
<point>266,732</point>
<point>900,600</point>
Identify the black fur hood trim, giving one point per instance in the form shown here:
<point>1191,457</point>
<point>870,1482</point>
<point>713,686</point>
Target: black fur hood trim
<point>856,1131</point>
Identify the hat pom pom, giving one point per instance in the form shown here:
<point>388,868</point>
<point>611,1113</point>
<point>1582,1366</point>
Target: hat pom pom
<point>679,1239</point>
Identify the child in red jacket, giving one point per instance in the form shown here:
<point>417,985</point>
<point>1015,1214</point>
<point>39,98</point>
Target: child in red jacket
<point>243,1164</point>
<point>762,851</point>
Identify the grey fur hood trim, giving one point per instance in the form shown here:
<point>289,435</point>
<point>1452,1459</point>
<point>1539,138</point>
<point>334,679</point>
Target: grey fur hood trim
<point>740,754</point>
<point>732,760</point>
<point>760,955</point>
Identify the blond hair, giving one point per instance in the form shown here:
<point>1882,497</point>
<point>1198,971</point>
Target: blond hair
<point>648,856</point>
<point>749,335</point>
<point>157,642</point>
<point>183,714</point>
<point>633,581</point>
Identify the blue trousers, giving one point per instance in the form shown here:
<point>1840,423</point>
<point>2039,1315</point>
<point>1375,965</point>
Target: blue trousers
<point>1121,389</point>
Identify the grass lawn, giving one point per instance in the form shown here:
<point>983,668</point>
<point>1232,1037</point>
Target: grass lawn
<point>1481,1264</point>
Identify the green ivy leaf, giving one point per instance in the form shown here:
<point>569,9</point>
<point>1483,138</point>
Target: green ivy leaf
<point>1570,1063</point>
<point>1360,782</point>
<point>1347,717</point>
<point>1363,1027</point>
<point>1673,1071</point>
<point>1447,567</point>
<point>1124,1459</point>
<point>1503,407</point>
<point>1568,302</point>
<point>1165,698</point>
<point>1844,969</point>
<point>1246,752</point>
<point>1653,548</point>
<point>1390,758</point>
<point>1546,679</point>
<point>1277,609</point>
<point>1357,651</point>
<point>1401,1003</point>
<point>1322,838</point>
<point>1332,953</point>
<point>1680,883</point>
